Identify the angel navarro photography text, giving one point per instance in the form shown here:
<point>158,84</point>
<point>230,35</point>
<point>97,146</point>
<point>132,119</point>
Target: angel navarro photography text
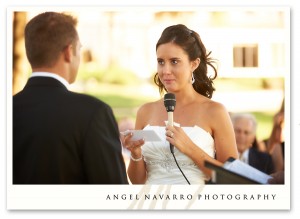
<point>183,197</point>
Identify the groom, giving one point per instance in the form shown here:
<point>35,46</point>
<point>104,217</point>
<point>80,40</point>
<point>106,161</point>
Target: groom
<point>61,137</point>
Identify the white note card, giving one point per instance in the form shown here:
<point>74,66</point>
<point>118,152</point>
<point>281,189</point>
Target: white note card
<point>147,135</point>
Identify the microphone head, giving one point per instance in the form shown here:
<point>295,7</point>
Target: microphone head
<point>170,102</point>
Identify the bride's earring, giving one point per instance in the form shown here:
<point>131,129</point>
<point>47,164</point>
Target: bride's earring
<point>193,79</point>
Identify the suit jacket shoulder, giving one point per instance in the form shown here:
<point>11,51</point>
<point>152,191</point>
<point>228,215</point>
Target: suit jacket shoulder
<point>261,161</point>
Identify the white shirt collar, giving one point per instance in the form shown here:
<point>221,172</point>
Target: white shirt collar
<point>51,75</point>
<point>245,156</point>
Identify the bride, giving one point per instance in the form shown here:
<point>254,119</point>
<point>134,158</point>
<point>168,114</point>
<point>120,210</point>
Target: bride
<point>202,130</point>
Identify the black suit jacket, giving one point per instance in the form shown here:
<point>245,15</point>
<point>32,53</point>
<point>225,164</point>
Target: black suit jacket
<point>261,161</point>
<point>62,137</point>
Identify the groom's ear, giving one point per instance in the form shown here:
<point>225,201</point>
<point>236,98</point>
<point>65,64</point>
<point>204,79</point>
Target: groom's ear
<point>68,53</point>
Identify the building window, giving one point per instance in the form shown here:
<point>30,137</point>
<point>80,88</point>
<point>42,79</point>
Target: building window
<point>245,56</point>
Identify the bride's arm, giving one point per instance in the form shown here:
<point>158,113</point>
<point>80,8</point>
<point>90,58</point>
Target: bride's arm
<point>223,134</point>
<point>224,138</point>
<point>137,168</point>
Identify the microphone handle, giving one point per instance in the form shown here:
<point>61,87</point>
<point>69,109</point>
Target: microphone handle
<point>170,118</point>
<point>170,122</point>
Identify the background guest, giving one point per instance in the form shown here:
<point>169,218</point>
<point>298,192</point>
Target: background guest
<point>275,143</point>
<point>244,125</point>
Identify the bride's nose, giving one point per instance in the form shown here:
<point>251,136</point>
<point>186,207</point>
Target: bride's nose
<point>166,69</point>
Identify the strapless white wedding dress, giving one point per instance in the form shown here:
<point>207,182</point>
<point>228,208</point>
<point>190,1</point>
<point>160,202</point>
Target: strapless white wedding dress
<point>161,166</point>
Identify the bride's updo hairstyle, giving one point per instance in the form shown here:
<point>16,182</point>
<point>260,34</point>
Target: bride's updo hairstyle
<point>191,43</point>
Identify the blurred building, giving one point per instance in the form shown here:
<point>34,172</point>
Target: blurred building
<point>247,42</point>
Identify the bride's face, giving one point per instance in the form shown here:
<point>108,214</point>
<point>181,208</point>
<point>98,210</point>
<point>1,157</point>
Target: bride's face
<point>173,66</point>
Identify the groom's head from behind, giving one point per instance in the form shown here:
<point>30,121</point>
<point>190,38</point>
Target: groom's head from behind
<point>52,44</point>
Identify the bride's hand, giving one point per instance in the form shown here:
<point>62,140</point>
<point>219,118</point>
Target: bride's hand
<point>133,146</point>
<point>177,137</point>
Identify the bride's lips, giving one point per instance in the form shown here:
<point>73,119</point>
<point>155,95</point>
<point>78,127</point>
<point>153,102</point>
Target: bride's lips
<point>167,81</point>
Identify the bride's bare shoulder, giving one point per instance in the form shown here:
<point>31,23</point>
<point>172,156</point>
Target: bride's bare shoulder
<point>146,113</point>
<point>149,107</point>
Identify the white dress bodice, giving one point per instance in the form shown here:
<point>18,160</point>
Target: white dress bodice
<point>161,166</point>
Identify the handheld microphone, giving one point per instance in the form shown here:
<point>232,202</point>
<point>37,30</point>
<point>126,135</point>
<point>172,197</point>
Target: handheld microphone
<point>170,102</point>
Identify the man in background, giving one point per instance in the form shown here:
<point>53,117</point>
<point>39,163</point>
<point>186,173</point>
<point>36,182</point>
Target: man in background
<point>61,137</point>
<point>244,125</point>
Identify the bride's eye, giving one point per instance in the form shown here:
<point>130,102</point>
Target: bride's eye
<point>174,61</point>
<point>160,62</point>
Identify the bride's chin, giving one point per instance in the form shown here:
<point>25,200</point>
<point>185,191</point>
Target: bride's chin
<point>170,89</point>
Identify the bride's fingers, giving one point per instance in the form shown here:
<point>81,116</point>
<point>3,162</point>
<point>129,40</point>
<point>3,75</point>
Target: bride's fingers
<point>135,144</point>
<point>169,133</point>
